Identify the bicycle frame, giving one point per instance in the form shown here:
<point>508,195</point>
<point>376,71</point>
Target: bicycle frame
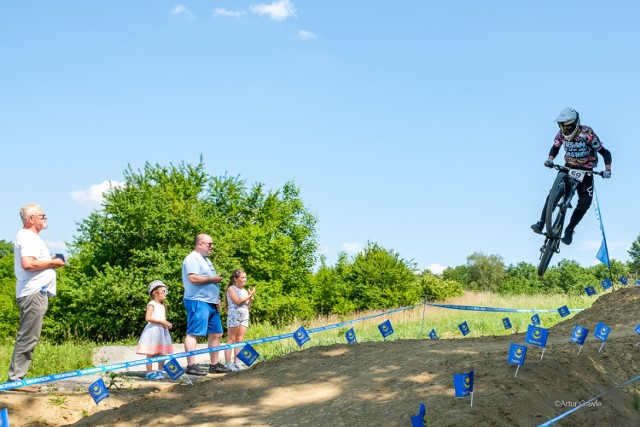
<point>562,192</point>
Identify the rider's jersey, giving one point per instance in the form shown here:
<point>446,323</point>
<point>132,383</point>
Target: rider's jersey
<point>582,152</point>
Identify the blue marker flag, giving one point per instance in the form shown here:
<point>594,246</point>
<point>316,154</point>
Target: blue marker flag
<point>536,336</point>
<point>590,290</point>
<point>602,331</point>
<point>603,252</point>
<point>434,336</point>
<point>637,329</point>
<point>420,420</point>
<point>623,280</point>
<point>248,355</point>
<point>385,328</point>
<point>579,334</point>
<point>351,336</point>
<point>606,284</point>
<point>4,417</point>
<point>564,311</point>
<point>507,323</point>
<point>637,282</point>
<point>173,369</point>
<point>463,384</point>
<point>98,391</point>
<point>535,319</point>
<point>517,353</point>
<point>464,328</point>
<point>301,336</point>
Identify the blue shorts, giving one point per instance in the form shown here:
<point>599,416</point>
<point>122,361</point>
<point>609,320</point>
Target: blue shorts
<point>203,318</point>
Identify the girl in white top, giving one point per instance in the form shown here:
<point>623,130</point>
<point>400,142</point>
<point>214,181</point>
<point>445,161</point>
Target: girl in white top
<point>239,301</point>
<point>155,339</point>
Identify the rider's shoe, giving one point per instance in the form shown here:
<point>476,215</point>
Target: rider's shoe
<point>568,236</point>
<point>537,227</point>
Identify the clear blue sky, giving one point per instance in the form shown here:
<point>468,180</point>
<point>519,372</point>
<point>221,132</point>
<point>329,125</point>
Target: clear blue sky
<point>418,125</point>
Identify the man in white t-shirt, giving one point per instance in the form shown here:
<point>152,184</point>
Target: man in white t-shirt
<point>36,282</point>
<point>202,302</point>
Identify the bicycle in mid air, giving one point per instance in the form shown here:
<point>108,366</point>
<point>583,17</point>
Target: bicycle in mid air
<point>562,191</point>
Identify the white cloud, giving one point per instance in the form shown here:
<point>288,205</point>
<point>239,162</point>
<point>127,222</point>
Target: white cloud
<point>278,11</point>
<point>92,197</point>
<point>352,247</point>
<point>594,245</point>
<point>182,10</point>
<point>436,268</point>
<point>226,12</point>
<point>304,34</point>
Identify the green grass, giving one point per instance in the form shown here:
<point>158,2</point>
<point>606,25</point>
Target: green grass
<point>407,324</point>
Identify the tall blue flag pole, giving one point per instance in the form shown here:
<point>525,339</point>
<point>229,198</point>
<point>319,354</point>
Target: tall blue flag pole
<point>603,253</point>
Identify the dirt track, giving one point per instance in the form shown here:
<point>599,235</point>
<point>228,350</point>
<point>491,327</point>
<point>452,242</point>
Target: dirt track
<point>382,384</point>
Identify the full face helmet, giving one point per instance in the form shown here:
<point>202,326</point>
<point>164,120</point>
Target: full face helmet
<point>569,122</point>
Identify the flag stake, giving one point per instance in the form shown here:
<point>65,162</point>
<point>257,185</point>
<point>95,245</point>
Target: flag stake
<point>601,347</point>
<point>472,399</point>
<point>579,350</point>
<point>543,349</point>
<point>518,367</point>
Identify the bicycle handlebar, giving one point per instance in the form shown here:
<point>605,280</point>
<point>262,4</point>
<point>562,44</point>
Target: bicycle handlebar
<point>566,169</point>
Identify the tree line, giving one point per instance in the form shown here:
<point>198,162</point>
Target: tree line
<point>145,228</point>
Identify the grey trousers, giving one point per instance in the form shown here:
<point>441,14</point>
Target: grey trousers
<point>32,311</point>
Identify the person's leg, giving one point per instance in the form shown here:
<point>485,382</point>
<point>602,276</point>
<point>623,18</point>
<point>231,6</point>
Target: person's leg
<point>231,333</point>
<point>585,197</point>
<point>214,341</point>
<point>239,337</point>
<point>32,311</point>
<point>197,316</point>
<point>214,330</point>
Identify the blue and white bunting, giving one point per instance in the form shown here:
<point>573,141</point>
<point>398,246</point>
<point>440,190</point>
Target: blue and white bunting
<point>301,336</point>
<point>563,311</point>
<point>590,290</point>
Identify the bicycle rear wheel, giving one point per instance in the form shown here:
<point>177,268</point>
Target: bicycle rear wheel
<point>548,249</point>
<point>554,218</point>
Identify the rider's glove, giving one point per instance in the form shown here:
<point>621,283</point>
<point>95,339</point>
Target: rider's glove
<point>548,163</point>
<point>606,174</point>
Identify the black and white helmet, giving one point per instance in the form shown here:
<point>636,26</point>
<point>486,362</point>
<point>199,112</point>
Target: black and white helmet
<point>569,122</point>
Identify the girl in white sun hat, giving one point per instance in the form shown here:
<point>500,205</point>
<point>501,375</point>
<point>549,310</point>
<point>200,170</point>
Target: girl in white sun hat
<point>155,339</point>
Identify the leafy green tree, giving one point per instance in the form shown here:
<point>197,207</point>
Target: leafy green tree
<point>146,228</point>
<point>6,248</point>
<point>634,253</point>
<point>435,288</point>
<point>9,312</point>
<point>458,274</point>
<point>485,272</point>
<point>521,278</point>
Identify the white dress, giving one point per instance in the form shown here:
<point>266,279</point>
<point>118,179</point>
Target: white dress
<point>154,338</point>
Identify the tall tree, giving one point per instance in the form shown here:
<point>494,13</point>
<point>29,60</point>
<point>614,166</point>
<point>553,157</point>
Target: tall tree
<point>634,253</point>
<point>485,272</point>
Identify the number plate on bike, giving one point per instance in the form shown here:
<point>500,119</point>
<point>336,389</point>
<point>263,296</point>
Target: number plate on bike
<point>577,174</point>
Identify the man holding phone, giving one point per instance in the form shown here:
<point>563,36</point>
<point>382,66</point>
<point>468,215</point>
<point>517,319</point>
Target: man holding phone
<point>36,282</point>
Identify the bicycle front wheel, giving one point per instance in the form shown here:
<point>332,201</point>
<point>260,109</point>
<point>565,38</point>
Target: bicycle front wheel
<point>547,252</point>
<point>556,210</point>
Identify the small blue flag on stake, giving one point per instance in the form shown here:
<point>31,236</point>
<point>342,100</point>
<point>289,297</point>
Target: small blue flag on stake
<point>464,328</point>
<point>385,328</point>
<point>173,369</point>
<point>98,391</point>
<point>623,280</point>
<point>420,420</point>
<point>517,353</point>
<point>433,334</point>
<point>506,323</point>
<point>4,417</point>
<point>637,329</point>
<point>638,282</point>
<point>606,284</point>
<point>351,336</point>
<point>536,336</point>
<point>563,311</point>
<point>535,319</point>
<point>248,355</point>
<point>601,332</point>
<point>301,336</point>
<point>579,335</point>
<point>590,290</point>
<point>463,385</point>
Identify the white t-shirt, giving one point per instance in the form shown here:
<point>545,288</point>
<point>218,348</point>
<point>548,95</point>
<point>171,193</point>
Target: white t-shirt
<point>30,282</point>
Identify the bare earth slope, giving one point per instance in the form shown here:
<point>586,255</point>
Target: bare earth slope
<point>382,384</point>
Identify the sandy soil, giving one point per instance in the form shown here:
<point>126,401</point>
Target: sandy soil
<point>383,383</point>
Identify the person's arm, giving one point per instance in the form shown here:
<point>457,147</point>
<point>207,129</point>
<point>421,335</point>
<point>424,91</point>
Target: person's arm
<point>606,155</point>
<point>236,299</point>
<point>32,263</point>
<point>203,280</point>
